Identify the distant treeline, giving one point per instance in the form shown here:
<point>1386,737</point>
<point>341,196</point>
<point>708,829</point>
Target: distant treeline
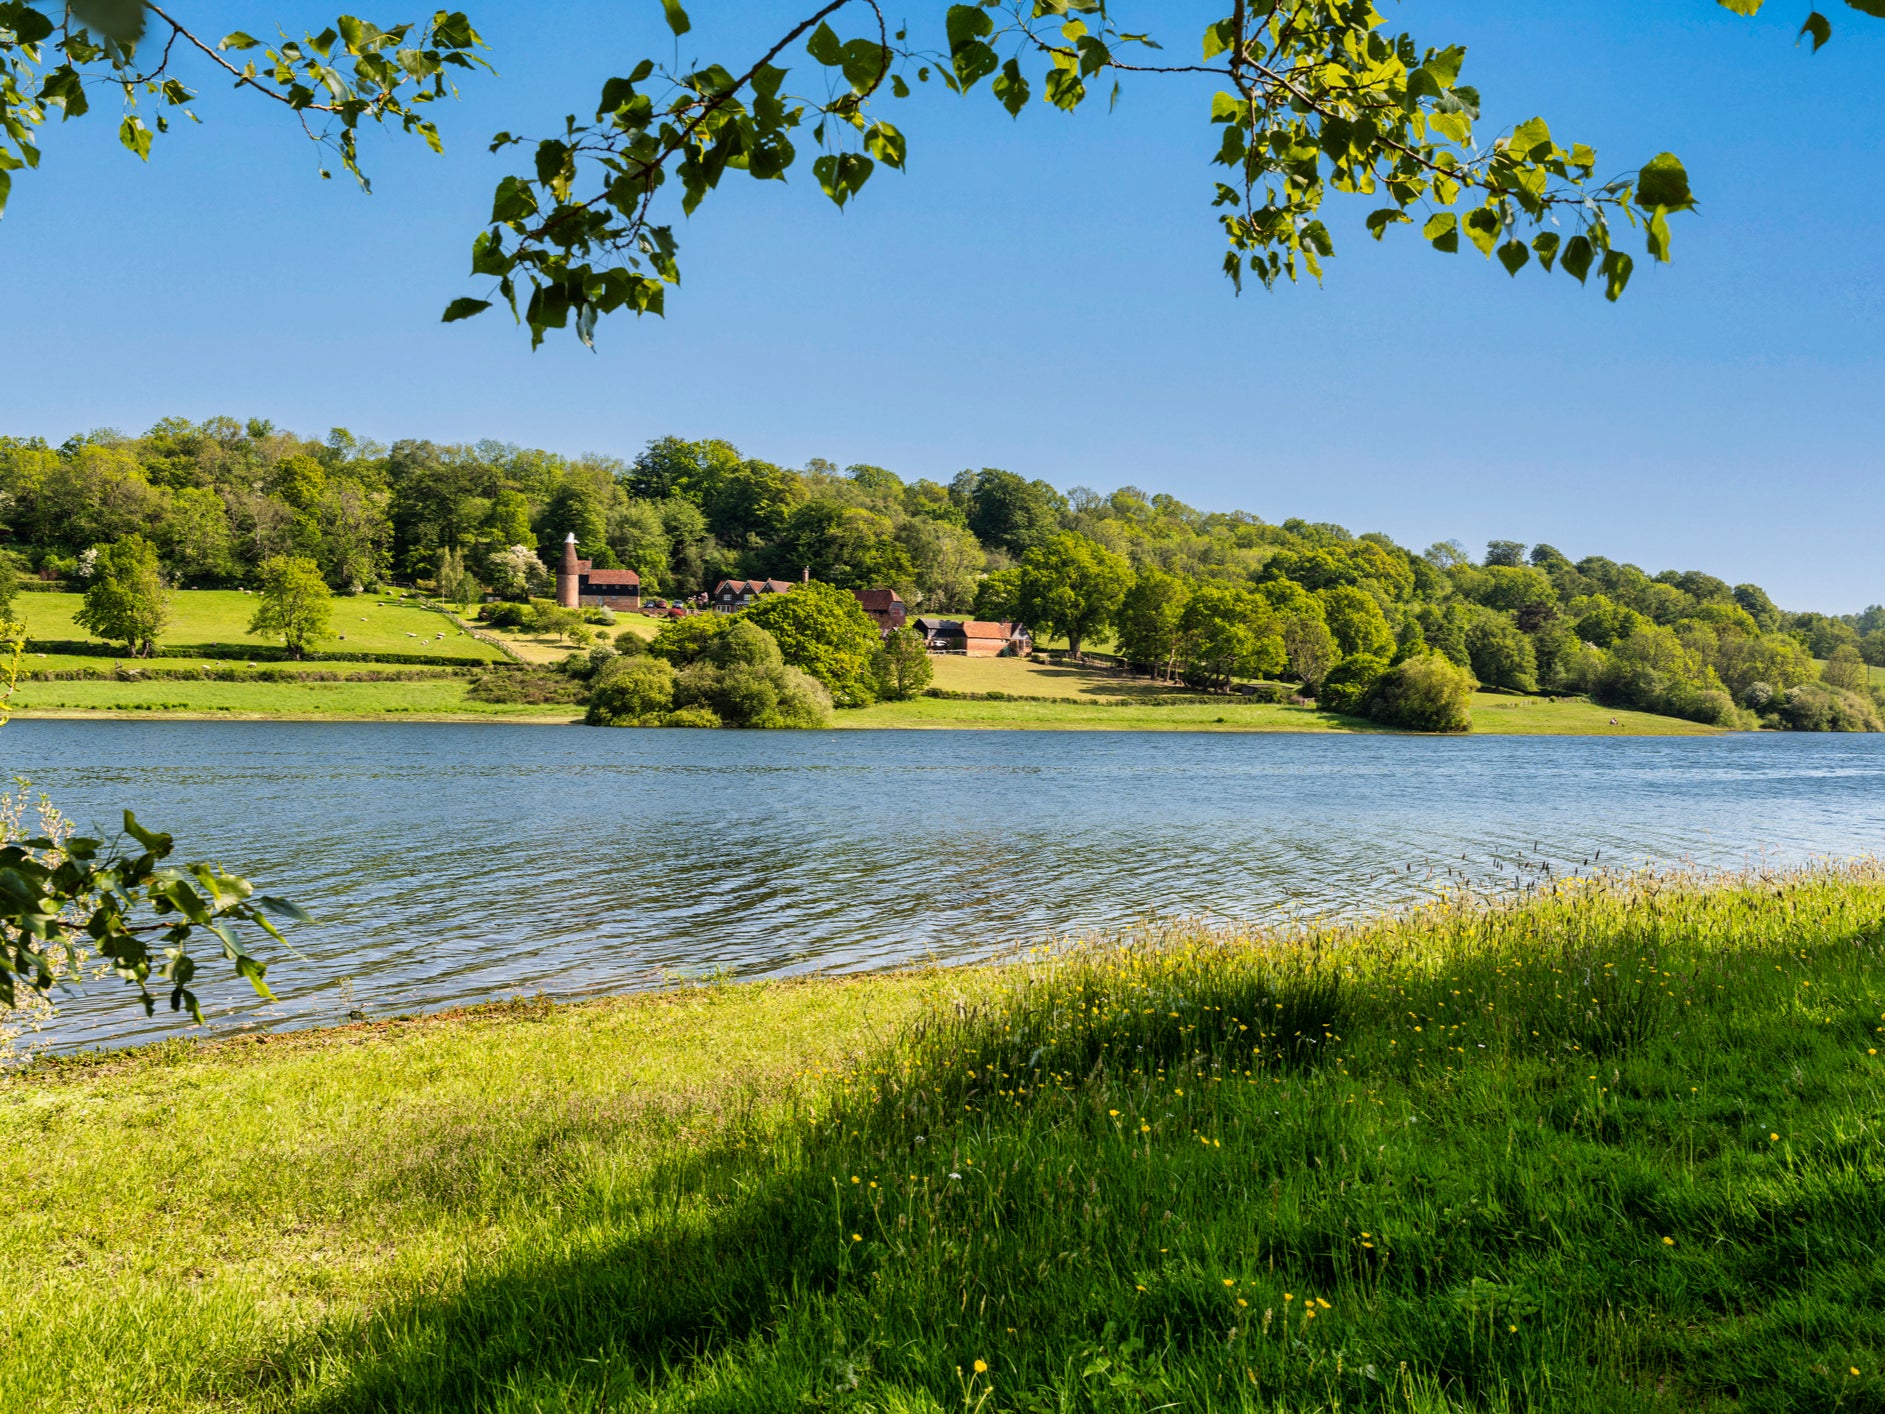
<point>1205,597</point>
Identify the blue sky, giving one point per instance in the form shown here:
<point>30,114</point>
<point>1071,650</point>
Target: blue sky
<point>1044,296</point>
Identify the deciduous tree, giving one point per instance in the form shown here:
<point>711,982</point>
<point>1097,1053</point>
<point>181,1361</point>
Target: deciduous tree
<point>295,603</point>
<point>822,630</point>
<point>126,600</point>
<point>901,666</point>
<point>1072,587</point>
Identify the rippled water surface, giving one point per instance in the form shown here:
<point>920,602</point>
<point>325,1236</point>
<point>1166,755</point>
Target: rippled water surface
<point>458,862</point>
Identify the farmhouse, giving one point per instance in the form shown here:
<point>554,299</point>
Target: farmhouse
<point>975,638</point>
<point>579,585</point>
<point>883,607</point>
<point>732,595</point>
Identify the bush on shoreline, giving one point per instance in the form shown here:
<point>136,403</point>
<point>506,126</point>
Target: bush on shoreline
<point>1428,693</point>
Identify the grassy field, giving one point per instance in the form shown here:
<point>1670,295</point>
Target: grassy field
<point>1617,1149</point>
<point>442,698</point>
<point>1493,714</point>
<point>554,648</point>
<point>367,623</point>
<point>90,662</point>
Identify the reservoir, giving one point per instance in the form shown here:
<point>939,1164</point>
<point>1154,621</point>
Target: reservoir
<point>451,863</point>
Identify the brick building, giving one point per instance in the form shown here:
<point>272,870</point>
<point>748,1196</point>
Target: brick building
<point>883,607</point>
<point>579,585</point>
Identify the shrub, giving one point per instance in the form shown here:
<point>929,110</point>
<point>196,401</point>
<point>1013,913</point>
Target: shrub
<point>629,690</point>
<point>525,685</point>
<point>1847,671</point>
<point>902,667</point>
<point>1348,684</point>
<point>1425,694</point>
<point>630,644</point>
<point>1266,691</point>
<point>743,679</point>
<point>1815,707</point>
<point>506,615</point>
<point>692,717</point>
<point>681,641</point>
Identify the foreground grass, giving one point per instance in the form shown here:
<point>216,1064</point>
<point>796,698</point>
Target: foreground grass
<point>364,624</point>
<point>1614,1149</point>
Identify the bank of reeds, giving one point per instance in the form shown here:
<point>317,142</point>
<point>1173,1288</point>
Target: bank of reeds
<point>1613,1147</point>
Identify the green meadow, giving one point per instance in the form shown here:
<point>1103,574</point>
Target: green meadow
<point>1613,1147</point>
<point>367,623</point>
<point>436,698</point>
<point>1493,715</point>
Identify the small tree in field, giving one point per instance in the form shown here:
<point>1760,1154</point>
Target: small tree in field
<point>296,603</point>
<point>456,585</point>
<point>902,665</point>
<point>126,600</point>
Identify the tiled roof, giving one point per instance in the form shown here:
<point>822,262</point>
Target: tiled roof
<point>979,628</point>
<point>753,586</point>
<point>613,577</point>
<point>877,600</point>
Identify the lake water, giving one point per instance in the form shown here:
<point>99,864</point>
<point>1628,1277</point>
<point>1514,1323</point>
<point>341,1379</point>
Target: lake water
<point>451,863</point>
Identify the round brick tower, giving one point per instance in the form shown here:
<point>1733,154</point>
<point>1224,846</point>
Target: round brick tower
<point>568,574</point>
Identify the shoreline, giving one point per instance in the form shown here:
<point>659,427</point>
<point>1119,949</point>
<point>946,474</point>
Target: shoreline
<point>1088,719</point>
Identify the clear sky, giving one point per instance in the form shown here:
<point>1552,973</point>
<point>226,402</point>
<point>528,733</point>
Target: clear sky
<point>1044,296</point>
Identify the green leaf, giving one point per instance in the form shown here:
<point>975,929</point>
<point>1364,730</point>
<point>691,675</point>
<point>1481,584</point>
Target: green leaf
<point>1545,246</point>
<point>1663,182</point>
<point>865,63</point>
<point>1742,7</point>
<point>6,186</point>
<point>1513,255</point>
<point>1011,88</point>
<point>464,309</point>
<point>121,21</point>
<point>1445,65</point>
<point>238,40</point>
<point>1064,89</point>
<point>1577,257</point>
<point>1443,229</point>
<point>1456,126</point>
<point>1819,27</point>
<point>1379,221</point>
<point>282,908</point>
<point>1659,235</point>
<point>1617,267</point>
<point>1483,225</point>
<point>134,135</point>
<point>513,201</point>
<point>842,175</point>
<point>824,46</point>
<point>1874,8</point>
<point>1529,136</point>
<point>972,59</point>
<point>1218,38</point>
<point>677,17</point>
<point>886,144</point>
